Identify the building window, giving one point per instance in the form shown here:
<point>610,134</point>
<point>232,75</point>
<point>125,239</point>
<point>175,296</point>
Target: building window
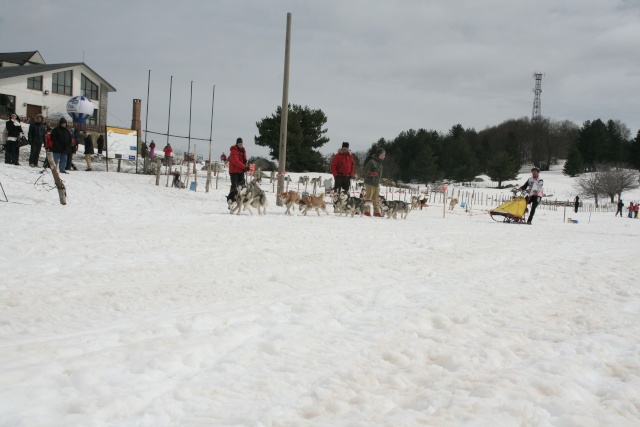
<point>7,104</point>
<point>89,88</point>
<point>62,82</point>
<point>93,120</point>
<point>34,83</point>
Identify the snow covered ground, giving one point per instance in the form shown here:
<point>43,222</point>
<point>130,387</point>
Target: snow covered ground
<point>142,305</point>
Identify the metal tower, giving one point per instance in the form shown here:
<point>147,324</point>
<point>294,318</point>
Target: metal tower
<point>536,114</point>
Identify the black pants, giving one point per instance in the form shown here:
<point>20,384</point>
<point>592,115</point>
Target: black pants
<point>11,152</point>
<point>236,179</point>
<point>534,200</point>
<point>35,153</point>
<point>343,183</point>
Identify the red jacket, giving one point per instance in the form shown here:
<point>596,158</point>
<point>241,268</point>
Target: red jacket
<point>343,164</point>
<point>237,159</point>
<point>47,142</point>
<point>167,150</point>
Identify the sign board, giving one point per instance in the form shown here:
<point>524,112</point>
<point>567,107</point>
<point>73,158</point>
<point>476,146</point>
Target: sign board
<point>252,168</point>
<point>122,143</point>
<point>444,188</point>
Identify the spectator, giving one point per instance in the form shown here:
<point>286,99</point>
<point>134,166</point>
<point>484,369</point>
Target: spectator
<point>152,149</point>
<point>37,133</point>
<point>144,151</point>
<point>535,190</point>
<point>630,209</point>
<point>73,149</point>
<point>372,173</point>
<point>343,169</point>
<point>101,144</point>
<point>635,210</point>
<point>167,150</point>
<point>576,204</point>
<point>620,206</point>
<point>88,149</point>
<point>47,148</point>
<point>60,144</point>
<point>14,132</point>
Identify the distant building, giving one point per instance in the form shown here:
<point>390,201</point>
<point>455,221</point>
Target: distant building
<point>29,86</point>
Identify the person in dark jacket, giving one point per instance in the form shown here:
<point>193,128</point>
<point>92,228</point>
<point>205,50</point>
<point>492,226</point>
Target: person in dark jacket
<point>88,149</point>
<point>37,133</point>
<point>61,144</point>
<point>343,168</point>
<point>14,132</point>
<point>101,145</point>
<point>576,204</point>
<point>237,166</point>
<point>620,206</point>
<point>371,176</point>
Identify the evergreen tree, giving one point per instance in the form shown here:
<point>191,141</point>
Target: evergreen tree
<point>503,167</point>
<point>424,167</point>
<point>574,165</point>
<point>634,152</point>
<point>305,134</point>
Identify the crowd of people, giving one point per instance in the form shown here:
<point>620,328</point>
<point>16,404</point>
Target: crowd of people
<point>61,141</point>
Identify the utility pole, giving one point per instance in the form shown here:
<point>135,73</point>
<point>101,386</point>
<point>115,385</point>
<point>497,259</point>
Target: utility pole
<point>285,114</point>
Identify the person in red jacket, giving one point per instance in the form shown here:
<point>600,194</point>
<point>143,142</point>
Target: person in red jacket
<point>343,168</point>
<point>237,166</point>
<point>167,150</point>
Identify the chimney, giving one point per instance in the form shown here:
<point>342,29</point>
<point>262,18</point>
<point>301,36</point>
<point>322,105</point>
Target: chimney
<point>136,123</point>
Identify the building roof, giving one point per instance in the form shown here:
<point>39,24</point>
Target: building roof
<point>20,58</point>
<point>6,72</point>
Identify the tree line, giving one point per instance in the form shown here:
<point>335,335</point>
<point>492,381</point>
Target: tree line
<point>462,154</point>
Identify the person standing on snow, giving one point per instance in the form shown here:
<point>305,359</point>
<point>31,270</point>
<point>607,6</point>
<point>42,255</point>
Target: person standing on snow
<point>37,132</point>
<point>61,144</point>
<point>535,191</point>
<point>343,169</point>
<point>167,150</point>
<point>372,173</point>
<point>576,204</point>
<point>88,149</point>
<point>237,166</point>
<point>620,206</point>
<point>14,132</point>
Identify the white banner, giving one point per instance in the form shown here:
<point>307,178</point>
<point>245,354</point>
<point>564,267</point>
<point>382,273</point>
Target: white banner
<point>122,143</point>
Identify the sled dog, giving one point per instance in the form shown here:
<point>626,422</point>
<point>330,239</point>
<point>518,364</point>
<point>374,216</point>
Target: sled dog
<point>343,203</point>
<point>394,207</point>
<point>452,202</point>
<point>313,202</point>
<point>289,200</point>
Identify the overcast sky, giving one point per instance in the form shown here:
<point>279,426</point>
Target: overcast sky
<point>375,68</point>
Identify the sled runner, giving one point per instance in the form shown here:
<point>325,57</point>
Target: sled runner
<point>512,211</point>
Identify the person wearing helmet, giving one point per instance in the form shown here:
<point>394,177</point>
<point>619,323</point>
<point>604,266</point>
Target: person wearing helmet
<point>535,190</point>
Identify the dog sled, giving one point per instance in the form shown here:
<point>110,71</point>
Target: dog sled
<point>512,211</point>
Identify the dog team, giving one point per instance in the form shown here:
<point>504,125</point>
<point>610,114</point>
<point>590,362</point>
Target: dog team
<point>243,196</point>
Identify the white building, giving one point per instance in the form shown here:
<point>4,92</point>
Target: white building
<point>29,86</point>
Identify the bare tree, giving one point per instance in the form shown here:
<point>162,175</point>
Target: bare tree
<point>613,182</point>
<point>589,186</point>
